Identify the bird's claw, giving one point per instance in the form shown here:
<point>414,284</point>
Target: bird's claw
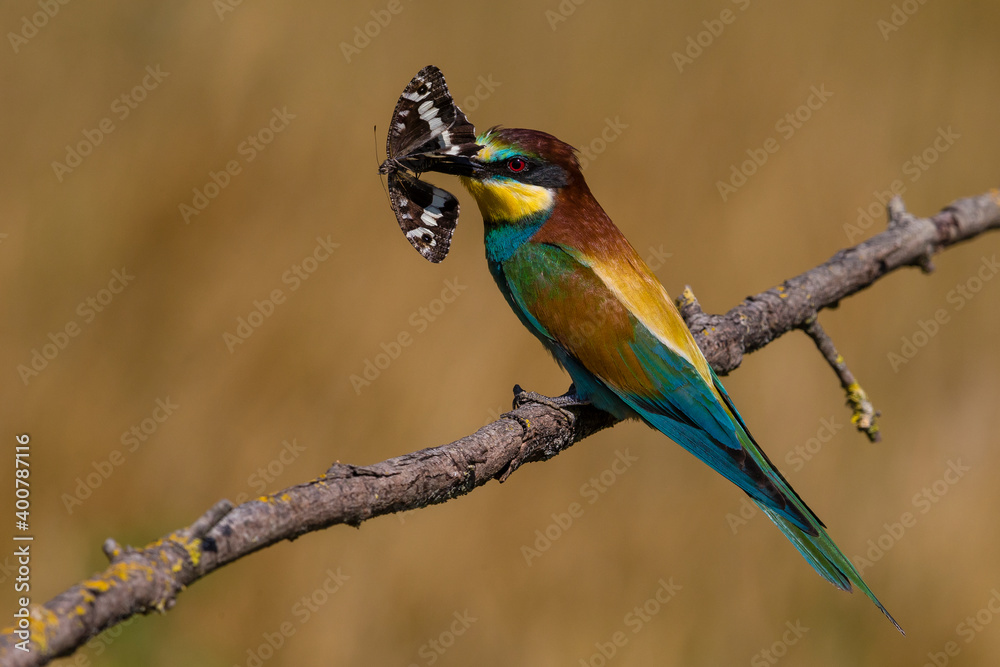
<point>559,403</point>
<point>567,400</point>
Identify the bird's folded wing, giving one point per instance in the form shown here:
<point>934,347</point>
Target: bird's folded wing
<point>576,308</point>
<point>628,341</point>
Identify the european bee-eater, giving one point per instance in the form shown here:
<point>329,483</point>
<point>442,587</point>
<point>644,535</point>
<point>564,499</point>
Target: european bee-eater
<point>577,284</point>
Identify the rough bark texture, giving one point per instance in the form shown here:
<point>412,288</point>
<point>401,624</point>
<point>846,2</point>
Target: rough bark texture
<point>148,579</point>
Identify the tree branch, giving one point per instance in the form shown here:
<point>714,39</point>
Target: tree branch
<point>148,579</point>
<point>864,415</point>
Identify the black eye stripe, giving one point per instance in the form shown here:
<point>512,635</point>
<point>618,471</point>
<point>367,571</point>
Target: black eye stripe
<point>533,173</point>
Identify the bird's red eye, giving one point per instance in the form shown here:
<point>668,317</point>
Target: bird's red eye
<point>516,164</point>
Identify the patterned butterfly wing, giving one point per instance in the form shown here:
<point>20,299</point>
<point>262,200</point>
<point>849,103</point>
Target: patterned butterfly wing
<point>427,123</point>
<point>426,214</point>
<point>427,132</point>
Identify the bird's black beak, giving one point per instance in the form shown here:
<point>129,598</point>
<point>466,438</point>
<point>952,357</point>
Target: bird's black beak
<point>456,166</point>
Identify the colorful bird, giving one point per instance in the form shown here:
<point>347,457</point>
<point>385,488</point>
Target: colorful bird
<point>577,284</point>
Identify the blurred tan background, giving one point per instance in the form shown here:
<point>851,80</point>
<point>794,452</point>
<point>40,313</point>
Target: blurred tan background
<point>280,407</point>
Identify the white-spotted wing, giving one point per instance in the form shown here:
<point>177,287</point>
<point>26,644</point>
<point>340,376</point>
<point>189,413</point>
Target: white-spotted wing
<point>426,213</point>
<point>427,132</point>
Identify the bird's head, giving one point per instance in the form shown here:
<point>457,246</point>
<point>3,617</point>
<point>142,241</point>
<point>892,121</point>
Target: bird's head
<point>518,173</point>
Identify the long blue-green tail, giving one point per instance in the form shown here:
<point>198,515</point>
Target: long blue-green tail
<point>682,406</point>
<point>826,558</point>
<point>819,549</point>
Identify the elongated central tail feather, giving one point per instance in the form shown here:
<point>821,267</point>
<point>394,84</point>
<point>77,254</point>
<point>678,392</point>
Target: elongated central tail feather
<point>815,546</point>
<point>826,558</point>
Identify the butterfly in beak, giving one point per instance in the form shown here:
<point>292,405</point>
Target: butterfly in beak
<point>428,132</point>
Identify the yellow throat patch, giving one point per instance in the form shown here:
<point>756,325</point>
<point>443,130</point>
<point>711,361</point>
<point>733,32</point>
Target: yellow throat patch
<point>507,199</point>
